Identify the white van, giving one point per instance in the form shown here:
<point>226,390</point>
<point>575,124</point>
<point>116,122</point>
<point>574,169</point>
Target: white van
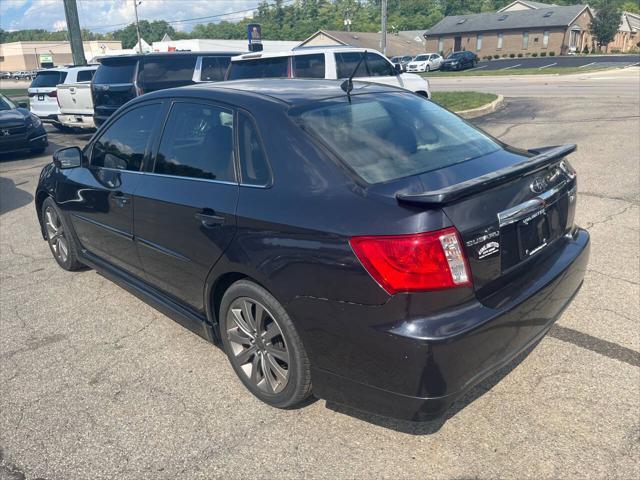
<point>43,93</point>
<point>325,62</point>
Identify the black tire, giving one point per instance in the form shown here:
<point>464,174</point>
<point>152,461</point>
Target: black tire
<point>238,346</point>
<point>428,68</point>
<point>62,128</point>
<point>59,237</point>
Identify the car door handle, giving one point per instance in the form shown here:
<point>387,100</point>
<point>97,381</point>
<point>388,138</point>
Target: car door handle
<point>120,199</point>
<point>209,219</point>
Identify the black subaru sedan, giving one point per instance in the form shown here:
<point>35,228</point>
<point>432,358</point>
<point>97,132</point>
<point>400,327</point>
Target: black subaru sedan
<point>20,129</point>
<point>362,244</point>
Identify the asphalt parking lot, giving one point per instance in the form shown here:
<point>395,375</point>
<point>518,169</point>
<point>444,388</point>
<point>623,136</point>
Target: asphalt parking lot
<point>592,61</point>
<point>95,384</point>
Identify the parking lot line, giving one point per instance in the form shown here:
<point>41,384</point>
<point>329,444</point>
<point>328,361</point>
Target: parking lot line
<point>592,63</point>
<point>512,66</point>
<point>477,68</point>
<point>550,65</point>
<point>632,65</point>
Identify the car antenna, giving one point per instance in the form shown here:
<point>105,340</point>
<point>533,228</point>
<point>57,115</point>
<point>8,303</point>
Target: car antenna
<point>347,85</point>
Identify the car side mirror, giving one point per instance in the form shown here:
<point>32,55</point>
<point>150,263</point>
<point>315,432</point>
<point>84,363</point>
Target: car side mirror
<point>398,68</point>
<point>70,157</point>
<point>23,105</point>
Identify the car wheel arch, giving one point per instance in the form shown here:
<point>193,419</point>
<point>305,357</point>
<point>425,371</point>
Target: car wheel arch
<point>41,196</point>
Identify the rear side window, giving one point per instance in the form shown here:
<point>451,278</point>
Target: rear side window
<point>308,66</point>
<point>346,62</point>
<point>48,79</point>
<point>378,66</point>
<point>85,75</point>
<point>276,67</point>
<point>115,72</point>
<point>197,142</point>
<point>213,69</point>
<point>253,160</point>
<point>123,145</point>
<point>167,72</point>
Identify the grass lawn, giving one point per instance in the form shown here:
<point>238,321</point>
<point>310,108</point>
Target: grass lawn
<point>15,94</point>
<point>514,71</point>
<point>458,101</point>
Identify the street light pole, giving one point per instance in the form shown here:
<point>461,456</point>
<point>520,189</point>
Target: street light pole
<point>135,8</point>
<point>383,28</point>
<point>75,36</point>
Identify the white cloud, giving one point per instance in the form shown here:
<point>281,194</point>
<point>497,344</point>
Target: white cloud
<point>107,15</point>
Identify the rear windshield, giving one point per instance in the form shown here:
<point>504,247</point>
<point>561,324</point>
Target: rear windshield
<point>276,67</point>
<point>390,136</point>
<point>110,73</point>
<point>214,68</point>
<point>48,79</point>
<point>167,71</point>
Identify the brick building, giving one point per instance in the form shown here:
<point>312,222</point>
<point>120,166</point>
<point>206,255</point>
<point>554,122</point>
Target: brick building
<point>522,27</point>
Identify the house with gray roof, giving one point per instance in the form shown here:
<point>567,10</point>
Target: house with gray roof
<point>521,28</point>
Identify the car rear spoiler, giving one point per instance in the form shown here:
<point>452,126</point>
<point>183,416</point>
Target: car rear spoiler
<point>438,198</point>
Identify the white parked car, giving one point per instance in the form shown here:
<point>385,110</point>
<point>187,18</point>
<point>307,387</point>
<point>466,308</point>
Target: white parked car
<point>325,62</point>
<point>43,91</point>
<point>76,105</point>
<point>425,63</point>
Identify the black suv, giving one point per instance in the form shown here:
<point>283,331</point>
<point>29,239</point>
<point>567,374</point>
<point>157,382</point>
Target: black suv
<point>121,78</point>
<point>459,61</point>
<point>355,241</point>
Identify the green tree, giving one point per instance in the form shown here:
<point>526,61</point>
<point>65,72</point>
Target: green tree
<point>604,25</point>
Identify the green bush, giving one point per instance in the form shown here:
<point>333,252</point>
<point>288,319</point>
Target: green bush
<point>585,50</point>
<point>512,55</point>
<point>519,55</point>
<point>543,54</point>
<point>534,54</point>
<point>552,54</point>
<point>496,56</point>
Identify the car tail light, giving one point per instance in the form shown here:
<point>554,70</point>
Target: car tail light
<point>409,263</point>
<point>53,94</point>
<point>32,94</point>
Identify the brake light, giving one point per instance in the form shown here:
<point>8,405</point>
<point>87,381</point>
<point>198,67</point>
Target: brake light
<point>53,94</point>
<point>419,262</point>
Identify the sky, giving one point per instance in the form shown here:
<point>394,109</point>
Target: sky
<point>106,15</point>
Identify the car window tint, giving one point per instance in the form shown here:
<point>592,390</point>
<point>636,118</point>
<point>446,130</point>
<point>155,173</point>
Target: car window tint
<point>48,79</point>
<point>253,160</point>
<point>169,71</point>
<point>391,136</point>
<point>197,142</point>
<point>85,75</point>
<point>214,68</point>
<point>123,145</point>
<point>378,66</point>
<point>276,67</point>
<point>308,66</point>
<point>115,72</point>
<point>346,63</point>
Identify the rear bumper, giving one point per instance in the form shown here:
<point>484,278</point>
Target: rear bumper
<point>414,368</point>
<point>77,121</point>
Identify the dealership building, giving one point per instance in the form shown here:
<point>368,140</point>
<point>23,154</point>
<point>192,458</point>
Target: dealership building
<point>20,56</point>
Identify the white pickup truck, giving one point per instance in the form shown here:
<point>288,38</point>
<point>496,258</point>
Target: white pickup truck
<point>76,105</point>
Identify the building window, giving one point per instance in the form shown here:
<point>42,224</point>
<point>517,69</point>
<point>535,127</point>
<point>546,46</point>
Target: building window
<point>545,39</point>
<point>499,41</point>
<point>440,44</point>
<point>479,42</point>
<point>525,40</point>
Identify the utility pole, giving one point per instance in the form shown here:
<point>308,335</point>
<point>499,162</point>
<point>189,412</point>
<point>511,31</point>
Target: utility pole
<point>135,8</point>
<point>347,20</point>
<point>75,36</point>
<point>383,29</point>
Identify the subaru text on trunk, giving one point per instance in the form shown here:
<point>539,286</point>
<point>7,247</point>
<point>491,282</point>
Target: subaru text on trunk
<point>347,239</point>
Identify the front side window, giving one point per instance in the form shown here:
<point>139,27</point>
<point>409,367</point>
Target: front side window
<point>197,142</point>
<point>275,67</point>
<point>213,69</point>
<point>124,144</point>
<point>525,40</point>
<point>346,63</point>
<point>390,136</point>
<point>379,66</point>
<point>308,66</point>
<point>253,159</point>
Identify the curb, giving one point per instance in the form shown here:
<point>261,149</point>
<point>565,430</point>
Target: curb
<point>483,110</point>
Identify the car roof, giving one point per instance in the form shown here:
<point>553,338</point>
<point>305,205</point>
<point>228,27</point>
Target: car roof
<point>290,91</point>
<point>301,51</point>
<point>163,54</point>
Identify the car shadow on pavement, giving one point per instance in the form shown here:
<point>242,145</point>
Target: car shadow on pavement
<point>431,427</point>
<point>12,197</point>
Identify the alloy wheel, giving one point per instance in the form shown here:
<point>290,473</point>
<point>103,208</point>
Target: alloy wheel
<point>55,234</point>
<point>258,345</point>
